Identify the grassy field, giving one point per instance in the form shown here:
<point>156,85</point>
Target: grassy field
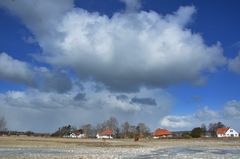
<point>14,147</point>
<point>51,142</point>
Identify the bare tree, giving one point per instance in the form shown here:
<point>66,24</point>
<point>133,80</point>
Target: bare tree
<point>87,129</point>
<point>2,124</point>
<point>212,127</point>
<point>125,129</point>
<point>111,123</point>
<point>143,130</point>
<point>132,131</point>
<point>204,129</point>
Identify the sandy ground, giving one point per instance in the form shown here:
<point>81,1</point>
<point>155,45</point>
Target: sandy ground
<point>58,148</point>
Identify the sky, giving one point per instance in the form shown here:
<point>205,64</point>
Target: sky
<point>171,64</point>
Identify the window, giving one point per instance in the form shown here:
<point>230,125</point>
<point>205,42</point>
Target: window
<point>231,130</point>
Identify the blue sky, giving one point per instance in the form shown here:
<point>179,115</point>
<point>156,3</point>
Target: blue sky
<point>171,64</point>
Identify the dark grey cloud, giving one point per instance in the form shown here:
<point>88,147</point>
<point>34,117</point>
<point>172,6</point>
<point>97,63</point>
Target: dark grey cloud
<point>122,97</point>
<point>53,81</point>
<point>80,97</point>
<point>136,100</point>
<point>21,72</point>
<point>144,101</point>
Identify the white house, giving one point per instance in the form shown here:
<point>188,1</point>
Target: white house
<point>75,134</point>
<point>106,134</point>
<point>226,132</point>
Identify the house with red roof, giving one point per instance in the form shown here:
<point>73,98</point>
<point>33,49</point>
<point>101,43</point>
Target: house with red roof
<point>158,133</point>
<point>106,134</point>
<point>226,132</point>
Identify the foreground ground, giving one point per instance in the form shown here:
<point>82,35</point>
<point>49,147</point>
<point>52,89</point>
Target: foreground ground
<point>58,148</point>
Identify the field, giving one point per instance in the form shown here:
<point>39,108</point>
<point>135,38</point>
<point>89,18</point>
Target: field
<point>14,147</point>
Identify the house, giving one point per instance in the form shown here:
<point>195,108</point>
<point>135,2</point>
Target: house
<point>106,134</point>
<point>226,132</point>
<point>76,134</point>
<point>158,133</point>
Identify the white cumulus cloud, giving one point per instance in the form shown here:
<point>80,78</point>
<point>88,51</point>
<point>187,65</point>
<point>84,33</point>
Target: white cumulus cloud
<point>130,50</point>
<point>232,109</point>
<point>125,51</point>
<point>228,115</point>
<point>176,122</point>
<point>234,64</point>
<point>14,70</point>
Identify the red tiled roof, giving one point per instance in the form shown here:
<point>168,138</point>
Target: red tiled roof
<point>221,130</point>
<point>161,132</point>
<point>106,132</point>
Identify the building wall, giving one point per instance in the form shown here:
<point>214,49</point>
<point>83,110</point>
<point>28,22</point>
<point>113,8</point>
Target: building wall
<point>229,133</point>
<point>104,136</point>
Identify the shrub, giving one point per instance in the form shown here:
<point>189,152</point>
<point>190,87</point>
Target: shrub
<point>196,132</point>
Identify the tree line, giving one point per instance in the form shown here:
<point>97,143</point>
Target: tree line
<point>204,131</point>
<point>124,130</point>
<point>141,130</point>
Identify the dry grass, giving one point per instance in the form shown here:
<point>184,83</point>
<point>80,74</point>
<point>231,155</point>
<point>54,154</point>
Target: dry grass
<point>92,148</point>
<point>15,141</point>
<point>50,142</point>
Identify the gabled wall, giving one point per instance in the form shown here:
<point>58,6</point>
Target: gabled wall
<point>230,133</point>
